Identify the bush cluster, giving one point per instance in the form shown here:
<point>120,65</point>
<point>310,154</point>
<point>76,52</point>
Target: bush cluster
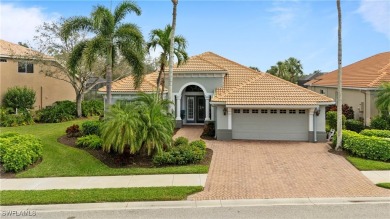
<point>18,151</point>
<point>354,125</point>
<point>182,153</point>
<point>369,147</point>
<point>92,108</point>
<point>381,122</point>
<point>376,133</point>
<point>21,98</point>
<point>90,141</point>
<point>331,119</point>
<point>9,119</point>
<point>91,128</point>
<point>209,129</point>
<point>73,131</point>
<point>347,111</point>
<point>60,111</point>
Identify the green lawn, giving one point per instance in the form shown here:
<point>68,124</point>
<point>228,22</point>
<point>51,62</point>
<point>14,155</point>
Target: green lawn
<point>63,196</point>
<point>364,164</point>
<point>384,185</point>
<point>62,160</point>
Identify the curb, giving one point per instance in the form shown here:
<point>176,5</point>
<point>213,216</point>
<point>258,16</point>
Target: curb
<point>196,204</point>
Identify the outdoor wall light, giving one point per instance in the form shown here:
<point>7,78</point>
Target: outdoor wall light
<point>224,111</point>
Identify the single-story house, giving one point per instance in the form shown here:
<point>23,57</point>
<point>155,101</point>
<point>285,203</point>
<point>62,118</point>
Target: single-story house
<point>361,81</point>
<point>243,103</point>
<point>18,67</point>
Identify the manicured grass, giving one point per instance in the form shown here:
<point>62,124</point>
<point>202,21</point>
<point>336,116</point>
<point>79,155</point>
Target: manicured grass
<point>364,164</point>
<point>62,160</point>
<point>384,185</point>
<point>63,196</point>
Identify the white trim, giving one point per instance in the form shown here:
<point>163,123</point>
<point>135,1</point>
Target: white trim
<point>207,103</point>
<point>350,88</point>
<point>188,118</point>
<point>192,83</point>
<point>311,113</point>
<point>271,106</point>
<point>178,107</point>
<point>229,114</point>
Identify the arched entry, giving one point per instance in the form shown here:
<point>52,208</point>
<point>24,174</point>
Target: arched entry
<point>192,104</point>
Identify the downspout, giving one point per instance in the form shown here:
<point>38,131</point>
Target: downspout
<point>315,123</point>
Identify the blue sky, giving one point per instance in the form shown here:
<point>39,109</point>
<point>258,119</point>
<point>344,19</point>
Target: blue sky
<point>253,33</point>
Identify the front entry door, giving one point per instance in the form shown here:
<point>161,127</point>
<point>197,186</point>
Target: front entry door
<point>195,109</point>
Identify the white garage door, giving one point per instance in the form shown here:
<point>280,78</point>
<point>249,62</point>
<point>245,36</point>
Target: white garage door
<point>270,124</point>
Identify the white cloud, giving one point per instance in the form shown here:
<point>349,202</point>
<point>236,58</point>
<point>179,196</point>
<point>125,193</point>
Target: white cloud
<point>282,16</point>
<point>377,13</point>
<point>17,24</point>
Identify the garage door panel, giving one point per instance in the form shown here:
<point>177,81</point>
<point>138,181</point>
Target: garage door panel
<point>270,126</point>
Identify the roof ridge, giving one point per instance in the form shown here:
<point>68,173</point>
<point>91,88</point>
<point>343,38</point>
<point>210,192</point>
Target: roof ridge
<point>212,63</point>
<point>236,63</point>
<point>240,85</point>
<point>381,75</point>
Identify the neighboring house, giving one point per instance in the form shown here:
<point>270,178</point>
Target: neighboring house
<point>244,103</point>
<point>307,78</point>
<point>360,84</point>
<point>18,68</point>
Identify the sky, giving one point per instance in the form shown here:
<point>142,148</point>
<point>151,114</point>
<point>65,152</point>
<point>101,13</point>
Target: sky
<point>253,33</point>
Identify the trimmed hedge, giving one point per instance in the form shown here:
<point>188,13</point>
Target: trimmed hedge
<point>354,125</point>
<point>91,128</point>
<point>19,151</point>
<point>376,133</point>
<point>90,141</point>
<point>182,154</point>
<point>369,147</point>
<point>381,122</point>
<point>60,111</point>
<point>331,118</point>
<point>180,141</point>
<point>9,119</point>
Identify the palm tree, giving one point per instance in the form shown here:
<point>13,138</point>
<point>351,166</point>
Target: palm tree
<point>294,69</point>
<point>279,70</point>
<point>383,98</point>
<point>171,53</point>
<point>339,83</point>
<point>112,38</point>
<point>158,123</point>
<point>161,38</point>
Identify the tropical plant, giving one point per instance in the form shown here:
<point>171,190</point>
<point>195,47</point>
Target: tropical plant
<point>290,69</point>
<point>161,38</point>
<point>339,80</point>
<point>112,38</point>
<point>19,98</point>
<point>383,98</point>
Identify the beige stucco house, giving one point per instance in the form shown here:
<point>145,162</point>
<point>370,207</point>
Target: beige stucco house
<point>360,84</point>
<point>243,103</point>
<point>18,68</point>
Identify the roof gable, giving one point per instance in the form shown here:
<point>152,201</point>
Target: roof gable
<point>8,49</point>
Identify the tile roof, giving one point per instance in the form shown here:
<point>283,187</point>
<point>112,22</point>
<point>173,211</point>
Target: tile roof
<point>366,73</point>
<point>8,49</point>
<point>127,84</point>
<point>242,85</point>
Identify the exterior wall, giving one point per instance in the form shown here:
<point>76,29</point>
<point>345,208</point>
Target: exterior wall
<point>354,98</point>
<point>320,120</point>
<point>48,90</point>
<point>221,119</point>
<point>210,84</point>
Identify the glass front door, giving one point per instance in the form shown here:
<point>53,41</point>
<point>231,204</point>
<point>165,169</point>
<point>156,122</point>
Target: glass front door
<point>190,109</point>
<point>195,109</point>
<point>200,108</point>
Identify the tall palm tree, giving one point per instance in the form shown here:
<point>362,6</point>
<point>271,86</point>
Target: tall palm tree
<point>294,69</point>
<point>339,83</point>
<point>383,98</point>
<point>171,53</point>
<point>112,38</point>
<point>161,38</point>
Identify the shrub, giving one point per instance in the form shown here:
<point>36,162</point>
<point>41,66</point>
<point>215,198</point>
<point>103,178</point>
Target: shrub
<point>209,129</point>
<point>8,119</point>
<point>369,147</point>
<point>18,151</point>
<point>381,122</point>
<point>91,128</point>
<point>92,108</point>
<point>376,132</point>
<point>60,111</point>
<point>331,118</point>
<point>19,98</point>
<point>346,135</point>
<point>347,111</point>
<point>73,131</point>
<point>182,154</point>
<point>90,141</point>
<point>354,125</point>
<point>180,141</point>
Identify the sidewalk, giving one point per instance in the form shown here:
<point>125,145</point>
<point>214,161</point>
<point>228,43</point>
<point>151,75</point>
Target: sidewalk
<point>103,182</point>
<point>377,176</point>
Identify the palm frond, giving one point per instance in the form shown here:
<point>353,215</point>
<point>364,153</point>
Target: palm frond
<point>125,7</point>
<point>135,57</point>
<point>103,21</point>
<point>76,56</point>
<point>383,97</point>
<point>75,24</point>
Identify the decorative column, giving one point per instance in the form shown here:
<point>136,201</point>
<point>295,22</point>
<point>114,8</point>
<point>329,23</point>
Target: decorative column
<point>178,107</point>
<point>207,98</point>
<point>311,113</point>
<point>229,118</point>
<point>212,113</point>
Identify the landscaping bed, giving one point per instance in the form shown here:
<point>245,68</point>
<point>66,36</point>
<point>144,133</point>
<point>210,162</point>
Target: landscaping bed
<point>125,160</point>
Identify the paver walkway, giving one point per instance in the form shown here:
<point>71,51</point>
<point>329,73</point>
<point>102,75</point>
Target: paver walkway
<point>103,182</point>
<point>269,169</point>
<point>377,176</point>
<point>192,132</point>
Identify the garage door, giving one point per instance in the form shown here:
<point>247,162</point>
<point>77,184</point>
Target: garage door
<point>270,124</point>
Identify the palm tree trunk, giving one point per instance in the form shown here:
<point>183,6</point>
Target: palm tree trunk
<point>339,84</point>
<point>171,54</point>
<point>108,77</point>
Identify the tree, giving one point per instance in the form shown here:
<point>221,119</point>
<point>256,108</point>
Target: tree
<point>50,41</point>
<point>161,38</point>
<point>290,69</point>
<point>383,98</point>
<point>171,53</point>
<point>254,68</point>
<point>112,38</point>
<point>21,98</point>
<point>339,82</point>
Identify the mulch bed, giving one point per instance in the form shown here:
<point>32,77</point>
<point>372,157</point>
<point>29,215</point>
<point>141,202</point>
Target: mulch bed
<point>124,160</point>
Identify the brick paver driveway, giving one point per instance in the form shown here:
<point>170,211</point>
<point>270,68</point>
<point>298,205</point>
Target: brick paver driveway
<point>268,169</point>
